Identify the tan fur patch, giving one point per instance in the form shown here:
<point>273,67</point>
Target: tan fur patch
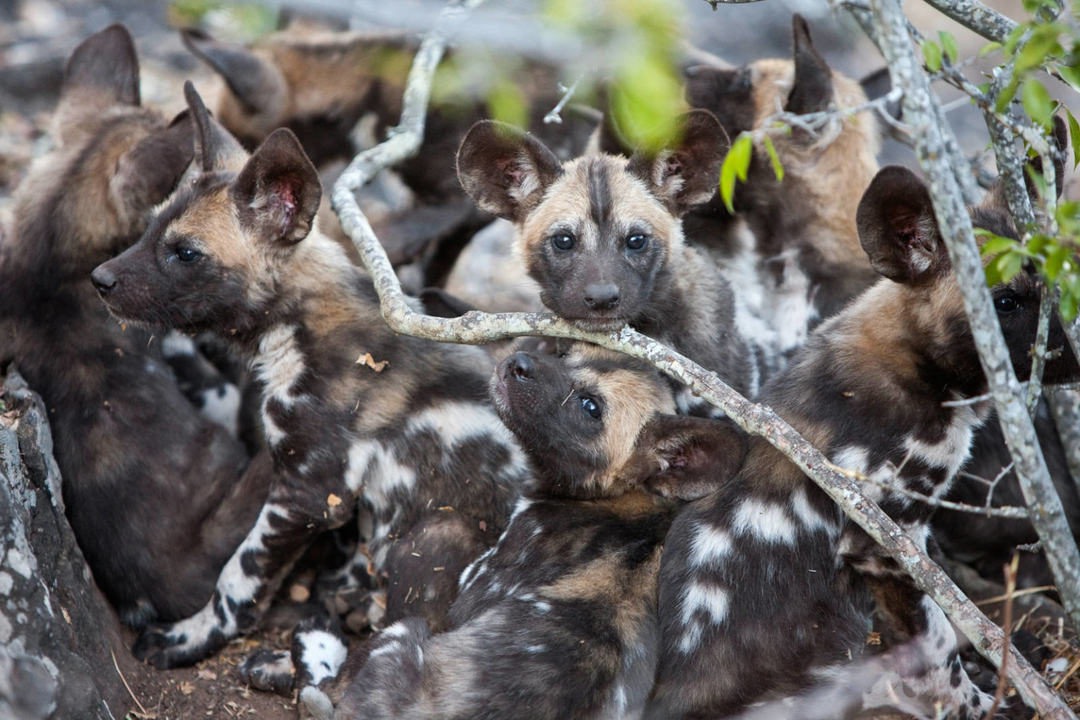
<point>837,168</point>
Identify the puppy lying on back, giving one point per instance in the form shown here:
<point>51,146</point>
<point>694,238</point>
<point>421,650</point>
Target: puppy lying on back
<point>766,588</point>
<point>350,408</point>
<point>156,494</point>
<point>559,619</point>
<point>602,237</point>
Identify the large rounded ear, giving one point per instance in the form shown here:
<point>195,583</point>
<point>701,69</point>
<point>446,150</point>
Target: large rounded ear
<point>150,171</point>
<point>688,173</point>
<point>278,191</point>
<point>897,227</point>
<point>1060,142</point>
<point>105,64</point>
<point>215,147</point>
<point>504,169</point>
<point>686,458</point>
<point>254,82</point>
<point>812,89</point>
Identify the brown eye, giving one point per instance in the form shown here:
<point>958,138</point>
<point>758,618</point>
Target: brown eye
<point>636,242</point>
<point>562,241</point>
<point>589,406</point>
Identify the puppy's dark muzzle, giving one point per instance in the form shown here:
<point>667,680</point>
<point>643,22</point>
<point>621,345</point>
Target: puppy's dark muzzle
<point>103,280</point>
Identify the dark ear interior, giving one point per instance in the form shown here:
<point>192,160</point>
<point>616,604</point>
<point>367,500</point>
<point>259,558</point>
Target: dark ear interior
<point>687,174</point>
<point>278,191</point>
<point>1060,141</point>
<point>504,169</point>
<point>213,143</point>
<point>149,172</point>
<point>105,62</point>
<point>897,227</point>
<point>250,79</point>
<point>812,89</point>
<point>689,457</point>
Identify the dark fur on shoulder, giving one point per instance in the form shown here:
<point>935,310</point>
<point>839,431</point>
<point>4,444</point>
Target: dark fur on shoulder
<point>602,237</point>
<point>766,588</point>
<point>559,619</point>
<point>349,407</point>
<point>156,494</point>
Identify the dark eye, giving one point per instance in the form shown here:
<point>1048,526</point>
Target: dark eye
<point>1006,304</point>
<point>187,255</point>
<point>636,242</point>
<point>562,241</point>
<point>590,407</point>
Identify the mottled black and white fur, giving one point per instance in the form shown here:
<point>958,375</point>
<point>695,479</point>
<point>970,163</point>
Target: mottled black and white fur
<point>766,588</point>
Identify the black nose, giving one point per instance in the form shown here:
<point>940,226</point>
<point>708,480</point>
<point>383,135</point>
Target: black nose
<point>103,280</point>
<point>602,297</point>
<point>521,367</point>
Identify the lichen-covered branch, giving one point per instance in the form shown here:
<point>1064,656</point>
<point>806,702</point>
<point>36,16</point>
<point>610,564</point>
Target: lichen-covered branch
<point>476,328</point>
<point>976,17</point>
<point>1047,512</point>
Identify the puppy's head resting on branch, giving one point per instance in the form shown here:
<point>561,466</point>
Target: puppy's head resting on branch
<point>214,256</point>
<point>601,234</point>
<point>600,424</point>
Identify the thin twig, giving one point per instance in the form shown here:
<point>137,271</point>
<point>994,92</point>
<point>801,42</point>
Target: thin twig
<point>554,116</point>
<point>1016,594</point>
<point>1038,350</point>
<point>1010,589</point>
<point>124,680</point>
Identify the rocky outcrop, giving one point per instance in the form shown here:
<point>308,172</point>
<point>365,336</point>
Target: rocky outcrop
<point>57,633</point>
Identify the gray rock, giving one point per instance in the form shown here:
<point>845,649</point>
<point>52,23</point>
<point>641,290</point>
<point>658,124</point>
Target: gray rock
<point>57,632</point>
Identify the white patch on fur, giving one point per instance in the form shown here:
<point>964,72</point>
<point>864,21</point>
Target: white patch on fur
<point>396,630</point>
<point>457,421</point>
<point>701,597</point>
<point>279,363</point>
<point>221,405</point>
<point>176,344</point>
<point>954,448</point>
<point>709,546</point>
<point>806,514</point>
<point>273,433</point>
<point>767,522</point>
<point>359,458</point>
<point>322,654</point>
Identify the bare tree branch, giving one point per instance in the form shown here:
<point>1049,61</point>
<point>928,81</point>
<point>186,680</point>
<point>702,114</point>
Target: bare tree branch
<point>475,327</point>
<point>976,17</point>
<point>1047,513</point>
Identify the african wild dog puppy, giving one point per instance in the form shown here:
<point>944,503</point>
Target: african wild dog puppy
<point>157,496</point>
<point>558,620</point>
<point>601,235</point>
<point>791,251</point>
<point>349,408</point>
<point>766,588</point>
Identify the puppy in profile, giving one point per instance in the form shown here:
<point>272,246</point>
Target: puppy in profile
<point>158,496</point>
<point>350,409</point>
<point>558,620</point>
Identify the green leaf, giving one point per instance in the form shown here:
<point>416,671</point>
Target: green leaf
<point>996,244</point>
<point>1068,304</point>
<point>948,43</point>
<point>777,168</point>
<point>1074,134</point>
<point>1041,45</point>
<point>1070,74</point>
<point>1013,39</point>
<point>647,100</point>
<point>989,48</point>
<point>932,54</point>
<point>1056,261</point>
<point>1037,178</point>
<point>993,275</point>
<point>1007,93</point>
<point>1009,265</point>
<point>736,164</point>
<point>1037,102</point>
